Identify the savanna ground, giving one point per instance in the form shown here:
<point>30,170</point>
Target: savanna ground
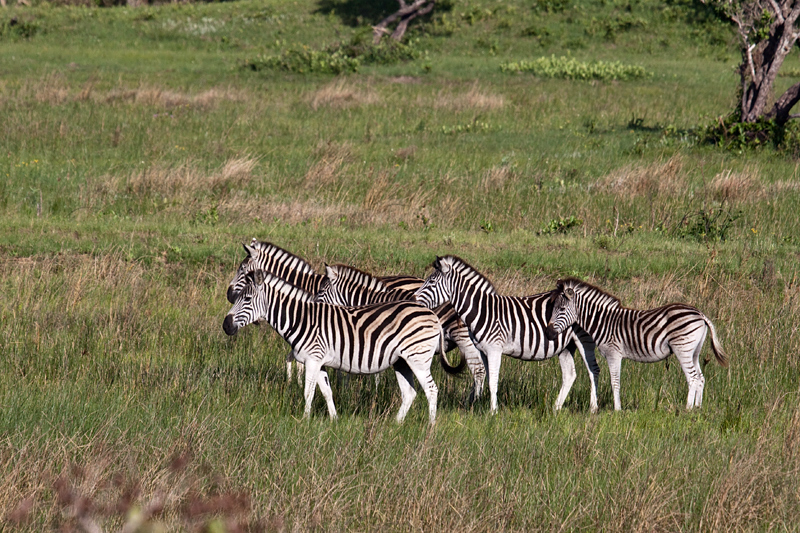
<point>139,152</point>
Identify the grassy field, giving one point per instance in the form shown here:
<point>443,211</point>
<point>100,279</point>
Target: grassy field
<point>139,152</point>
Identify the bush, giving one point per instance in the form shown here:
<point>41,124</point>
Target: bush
<point>572,69</point>
<point>336,58</point>
<point>304,60</point>
<point>18,27</point>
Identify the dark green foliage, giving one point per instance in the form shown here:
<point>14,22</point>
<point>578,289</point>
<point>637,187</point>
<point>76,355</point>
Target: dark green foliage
<point>336,58</point>
<point>18,26</point>
<point>708,225</point>
<point>560,225</point>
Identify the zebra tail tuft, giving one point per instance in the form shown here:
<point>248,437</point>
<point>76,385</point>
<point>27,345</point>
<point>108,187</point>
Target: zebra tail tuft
<point>716,345</point>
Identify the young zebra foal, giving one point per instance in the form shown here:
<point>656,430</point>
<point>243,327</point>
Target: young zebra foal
<point>363,340</point>
<point>644,336</point>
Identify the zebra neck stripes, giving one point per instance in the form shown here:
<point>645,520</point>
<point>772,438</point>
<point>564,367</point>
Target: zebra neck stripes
<point>277,262</point>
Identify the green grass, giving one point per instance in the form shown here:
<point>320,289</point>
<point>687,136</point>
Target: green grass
<point>138,154</point>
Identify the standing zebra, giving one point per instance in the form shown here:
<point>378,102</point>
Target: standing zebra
<point>507,325</point>
<point>348,286</point>
<point>363,340</point>
<point>644,336</point>
<point>286,266</point>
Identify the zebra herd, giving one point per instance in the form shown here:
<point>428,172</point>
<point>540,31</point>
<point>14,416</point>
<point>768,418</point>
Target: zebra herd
<point>352,321</point>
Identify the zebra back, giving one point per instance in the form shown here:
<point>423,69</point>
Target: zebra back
<point>276,261</point>
<point>349,286</point>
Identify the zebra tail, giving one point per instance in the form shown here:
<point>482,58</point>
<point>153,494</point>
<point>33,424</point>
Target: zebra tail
<point>716,345</point>
<point>452,370</point>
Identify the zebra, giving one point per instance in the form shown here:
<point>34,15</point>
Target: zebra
<point>513,326</point>
<point>349,286</point>
<point>362,340</point>
<point>646,336</point>
<point>283,264</point>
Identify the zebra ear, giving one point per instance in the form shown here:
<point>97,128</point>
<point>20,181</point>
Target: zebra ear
<point>258,277</point>
<point>436,264</point>
<point>251,251</point>
<point>330,272</point>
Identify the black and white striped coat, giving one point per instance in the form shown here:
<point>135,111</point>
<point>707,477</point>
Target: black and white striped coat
<point>514,326</point>
<point>292,269</point>
<point>646,336</point>
<point>363,340</point>
<point>348,286</point>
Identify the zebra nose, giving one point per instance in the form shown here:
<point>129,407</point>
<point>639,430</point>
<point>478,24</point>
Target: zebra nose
<point>232,295</point>
<point>228,325</point>
<point>550,332</point>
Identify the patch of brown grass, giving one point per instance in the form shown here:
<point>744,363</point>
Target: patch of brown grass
<point>331,159</point>
<point>341,94</point>
<point>656,179</point>
<point>54,89</point>
<point>474,99</point>
<point>187,179</point>
<point>735,186</point>
<point>497,178</point>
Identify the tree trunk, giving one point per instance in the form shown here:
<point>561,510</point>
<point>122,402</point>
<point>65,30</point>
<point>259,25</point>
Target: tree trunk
<point>405,15</point>
<point>762,61</point>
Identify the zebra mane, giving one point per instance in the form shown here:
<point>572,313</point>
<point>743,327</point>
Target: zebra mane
<point>347,273</point>
<point>267,249</point>
<point>581,286</point>
<point>282,287</point>
<point>468,271</point>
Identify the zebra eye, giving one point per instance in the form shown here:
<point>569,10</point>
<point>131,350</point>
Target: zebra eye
<point>569,293</point>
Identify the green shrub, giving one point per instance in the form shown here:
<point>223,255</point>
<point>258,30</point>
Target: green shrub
<point>560,225</point>
<point>337,58</point>
<point>18,27</point>
<point>305,60</point>
<point>710,225</point>
<point>572,69</point>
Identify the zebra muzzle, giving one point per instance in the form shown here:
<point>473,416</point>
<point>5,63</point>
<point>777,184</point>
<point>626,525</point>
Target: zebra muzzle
<point>229,326</point>
<point>550,332</point>
<point>232,295</point>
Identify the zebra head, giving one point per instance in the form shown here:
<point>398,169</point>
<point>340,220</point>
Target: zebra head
<point>437,288</point>
<point>246,308</point>
<point>565,312</point>
<point>329,292</point>
<point>247,266</point>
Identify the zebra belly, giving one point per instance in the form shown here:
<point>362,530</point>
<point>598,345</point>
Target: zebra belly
<point>355,363</point>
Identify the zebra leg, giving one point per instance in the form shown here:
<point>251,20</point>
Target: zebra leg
<point>698,394</point>
<point>324,385</point>
<point>568,375</point>
<point>423,374</point>
<point>588,355</point>
<point>494,357</point>
<point>301,369</point>
<point>473,357</point>
<point>405,378</point>
<point>312,373</point>
<point>614,360</point>
<point>289,360</point>
<point>690,364</point>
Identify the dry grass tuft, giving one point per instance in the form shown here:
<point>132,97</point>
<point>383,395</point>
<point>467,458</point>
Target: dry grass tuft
<point>331,161</point>
<point>186,179</point>
<point>340,94</point>
<point>406,153</point>
<point>735,186</point>
<point>657,179</point>
<point>156,97</point>
<point>497,178</point>
<point>474,99</point>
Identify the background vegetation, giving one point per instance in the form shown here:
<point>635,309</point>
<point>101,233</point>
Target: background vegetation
<point>141,146</point>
